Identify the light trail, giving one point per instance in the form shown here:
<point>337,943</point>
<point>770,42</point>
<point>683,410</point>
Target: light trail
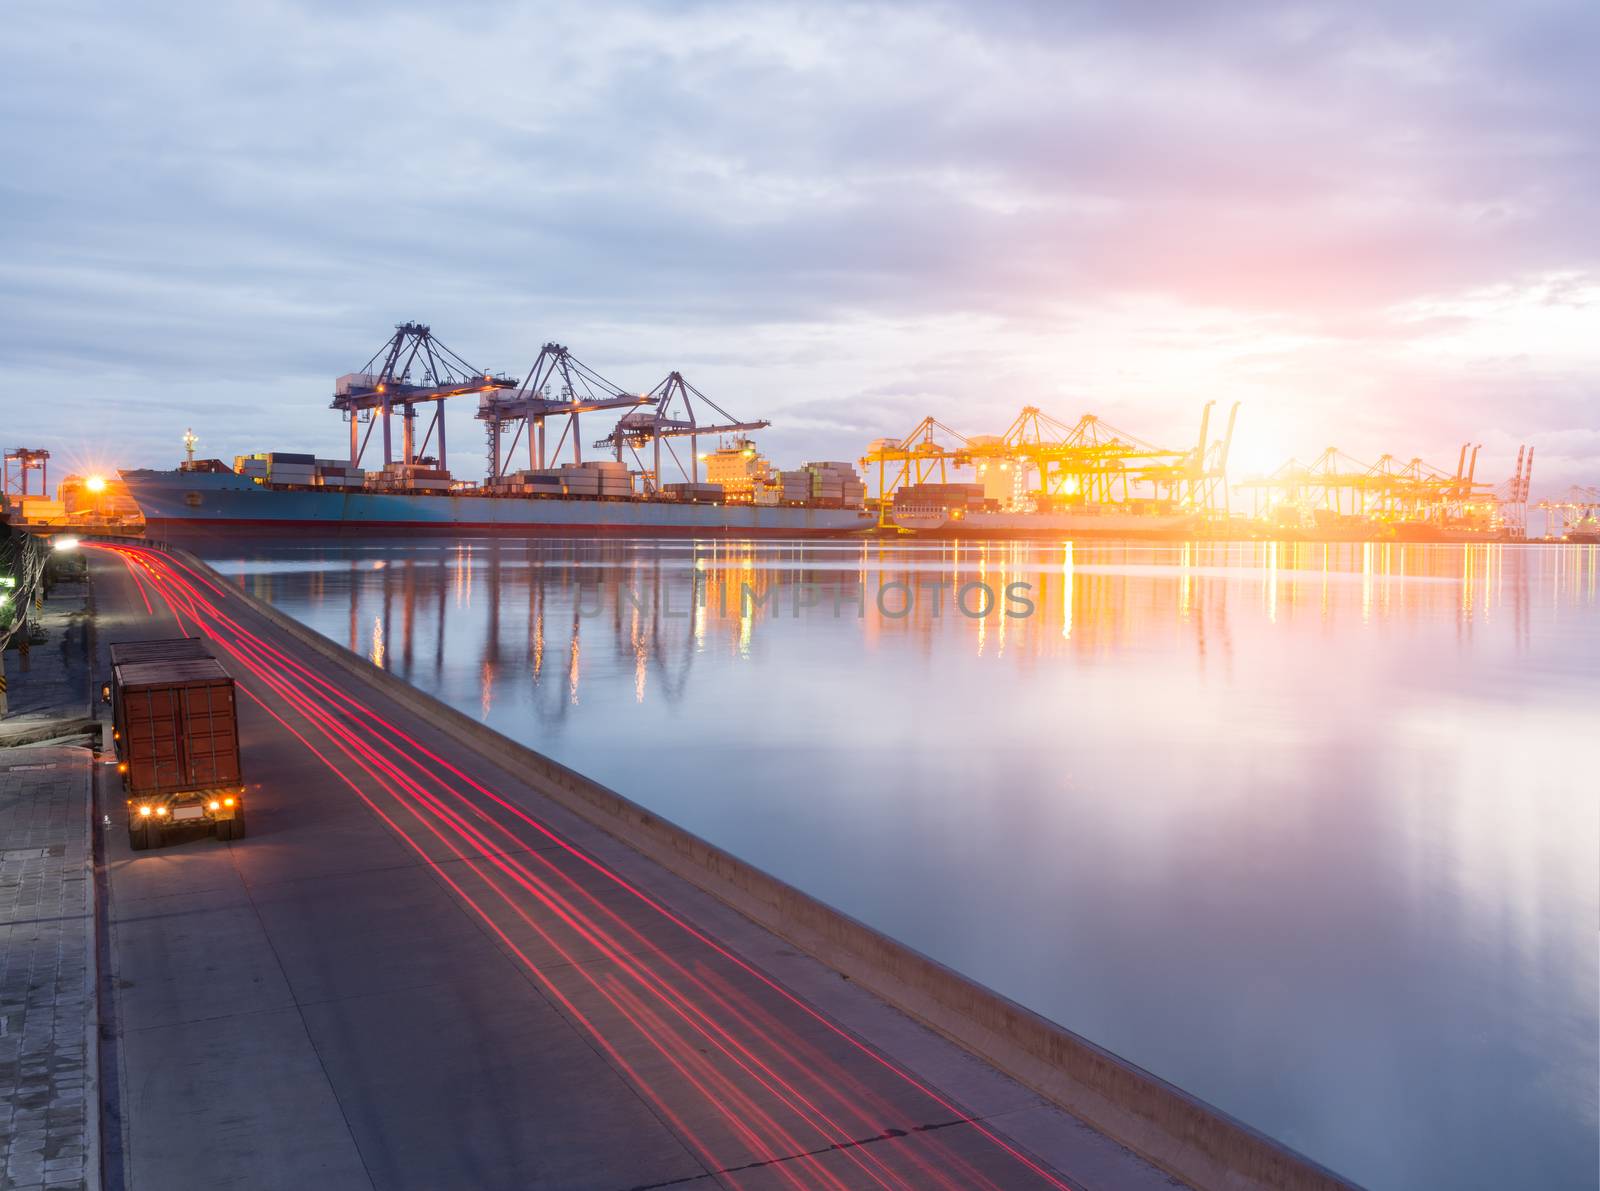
<point>195,607</point>
<point>652,990</point>
<point>365,759</point>
<point>138,583</point>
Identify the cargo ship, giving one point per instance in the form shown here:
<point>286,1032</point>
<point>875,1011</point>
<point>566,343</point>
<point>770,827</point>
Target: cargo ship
<point>198,501</point>
<point>413,373</point>
<point>1584,533</point>
<point>968,511</point>
<point>1087,523</point>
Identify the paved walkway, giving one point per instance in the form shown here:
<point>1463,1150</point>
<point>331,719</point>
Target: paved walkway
<point>46,980</point>
<point>48,692</point>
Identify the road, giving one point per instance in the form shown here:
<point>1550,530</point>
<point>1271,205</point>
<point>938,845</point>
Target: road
<point>416,972</point>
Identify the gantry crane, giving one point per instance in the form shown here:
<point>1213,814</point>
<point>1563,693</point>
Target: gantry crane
<point>1094,462</point>
<point>19,463</point>
<point>1207,466</point>
<point>387,381</point>
<point>672,415</point>
<point>578,388</point>
<point>1386,490</point>
<point>1575,517</point>
<point>1089,461</point>
<point>931,447</point>
<point>1512,496</point>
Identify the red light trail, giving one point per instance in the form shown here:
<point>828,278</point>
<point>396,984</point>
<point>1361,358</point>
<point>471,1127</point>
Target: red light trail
<point>774,1097</point>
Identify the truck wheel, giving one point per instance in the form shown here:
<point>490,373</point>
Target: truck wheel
<point>152,836</point>
<point>138,841</point>
<point>238,825</point>
<point>224,829</point>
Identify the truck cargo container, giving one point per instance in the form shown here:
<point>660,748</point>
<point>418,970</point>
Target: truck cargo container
<point>177,738</point>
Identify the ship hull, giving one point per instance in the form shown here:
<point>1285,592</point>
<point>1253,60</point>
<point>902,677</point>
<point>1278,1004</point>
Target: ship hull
<point>1049,525</point>
<point>191,503</point>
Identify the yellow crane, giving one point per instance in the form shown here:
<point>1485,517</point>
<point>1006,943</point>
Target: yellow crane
<point>931,448</point>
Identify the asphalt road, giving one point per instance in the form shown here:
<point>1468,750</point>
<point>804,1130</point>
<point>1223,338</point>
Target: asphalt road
<point>418,973</point>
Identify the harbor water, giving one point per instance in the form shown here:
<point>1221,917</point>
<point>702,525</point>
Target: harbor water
<point>1309,830</point>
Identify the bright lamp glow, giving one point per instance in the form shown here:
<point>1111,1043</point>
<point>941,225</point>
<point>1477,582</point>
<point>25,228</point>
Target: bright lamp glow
<point>95,484</point>
<point>65,544</point>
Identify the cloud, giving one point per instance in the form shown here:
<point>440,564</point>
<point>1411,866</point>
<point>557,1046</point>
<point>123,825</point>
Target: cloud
<point>825,214</point>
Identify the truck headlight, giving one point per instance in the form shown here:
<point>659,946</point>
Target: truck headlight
<point>161,810</point>
<point>215,805</point>
<point>144,810</point>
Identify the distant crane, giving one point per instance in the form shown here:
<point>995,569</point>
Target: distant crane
<point>932,448</point>
<point>1207,467</point>
<point>1094,461</point>
<point>412,367</point>
<point>1088,461</point>
<point>1574,517</point>
<point>18,465</point>
<point>673,416</point>
<point>1512,496</point>
<point>1386,490</point>
<point>578,388</point>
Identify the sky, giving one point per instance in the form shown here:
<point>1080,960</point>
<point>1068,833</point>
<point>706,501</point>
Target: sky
<point>1375,225</point>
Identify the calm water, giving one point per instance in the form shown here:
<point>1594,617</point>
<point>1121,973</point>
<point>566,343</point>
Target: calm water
<point>1310,831</point>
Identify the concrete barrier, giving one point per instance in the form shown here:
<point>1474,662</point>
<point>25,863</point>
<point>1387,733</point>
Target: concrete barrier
<point>1182,1135</point>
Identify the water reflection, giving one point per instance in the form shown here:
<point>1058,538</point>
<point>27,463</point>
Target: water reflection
<point>660,605</point>
<point>1309,829</point>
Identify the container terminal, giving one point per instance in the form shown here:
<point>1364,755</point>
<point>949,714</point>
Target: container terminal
<point>1044,478</point>
<point>648,475</point>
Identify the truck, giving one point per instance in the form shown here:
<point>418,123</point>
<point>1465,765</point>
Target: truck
<point>176,730</point>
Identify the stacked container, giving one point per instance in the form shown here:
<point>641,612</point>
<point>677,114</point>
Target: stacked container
<point>578,480</point>
<point>278,467</point>
<point>402,477</point>
<point>941,496</point>
<point>833,484</point>
<point>529,483</point>
<point>795,486</point>
<point>333,473</point>
<point>613,476</point>
<point>546,481</point>
<point>701,493</point>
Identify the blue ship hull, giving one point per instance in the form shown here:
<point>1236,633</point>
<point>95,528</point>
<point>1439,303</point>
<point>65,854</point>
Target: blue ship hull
<point>195,501</point>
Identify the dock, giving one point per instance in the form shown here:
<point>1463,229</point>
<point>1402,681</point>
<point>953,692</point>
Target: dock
<point>440,960</point>
<point>348,999</point>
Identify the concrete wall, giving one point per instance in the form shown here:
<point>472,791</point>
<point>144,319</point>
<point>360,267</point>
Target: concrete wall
<point>1184,1136</point>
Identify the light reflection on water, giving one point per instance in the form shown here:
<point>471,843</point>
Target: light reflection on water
<point>1309,830</point>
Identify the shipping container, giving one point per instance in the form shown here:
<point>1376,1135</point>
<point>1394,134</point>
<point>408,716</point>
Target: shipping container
<point>177,738</point>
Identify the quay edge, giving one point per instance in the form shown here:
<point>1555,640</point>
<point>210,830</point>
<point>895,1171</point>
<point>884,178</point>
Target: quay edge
<point>1174,1131</point>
